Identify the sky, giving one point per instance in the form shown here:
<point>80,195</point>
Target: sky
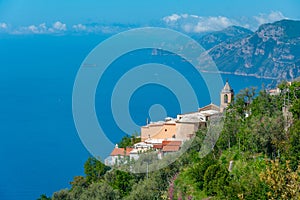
<point>53,16</point>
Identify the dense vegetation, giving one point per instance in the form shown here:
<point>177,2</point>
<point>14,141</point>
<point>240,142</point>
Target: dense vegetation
<point>256,157</point>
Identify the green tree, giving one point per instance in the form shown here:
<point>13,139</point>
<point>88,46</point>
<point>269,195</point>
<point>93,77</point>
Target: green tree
<point>61,195</point>
<point>79,181</point>
<point>243,99</point>
<point>245,181</point>
<point>293,153</point>
<point>216,179</point>
<point>44,197</point>
<point>100,190</point>
<point>295,109</point>
<point>264,105</point>
<point>79,184</point>
<point>94,170</point>
<point>121,181</point>
<point>197,171</point>
<point>147,189</point>
<point>229,134</point>
<point>294,90</point>
<point>128,141</point>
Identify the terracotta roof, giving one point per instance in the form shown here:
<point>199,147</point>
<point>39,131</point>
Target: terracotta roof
<point>118,152</point>
<point>171,143</point>
<point>175,143</point>
<point>172,148</point>
<point>128,150</point>
<point>157,146</point>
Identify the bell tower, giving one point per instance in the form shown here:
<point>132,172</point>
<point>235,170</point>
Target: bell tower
<point>226,96</point>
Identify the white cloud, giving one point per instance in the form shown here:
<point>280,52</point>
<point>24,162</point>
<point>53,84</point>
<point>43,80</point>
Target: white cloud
<point>3,25</point>
<point>197,24</point>
<point>79,27</point>
<point>32,29</point>
<point>59,26</point>
<point>185,15</point>
<point>212,24</point>
<point>98,28</point>
<point>42,28</point>
<point>269,18</point>
<point>172,18</point>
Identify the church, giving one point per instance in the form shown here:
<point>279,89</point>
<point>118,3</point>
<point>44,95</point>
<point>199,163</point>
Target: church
<point>185,125</point>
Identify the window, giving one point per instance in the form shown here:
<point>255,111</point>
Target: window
<point>225,98</point>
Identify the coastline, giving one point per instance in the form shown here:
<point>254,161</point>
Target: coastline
<point>239,74</point>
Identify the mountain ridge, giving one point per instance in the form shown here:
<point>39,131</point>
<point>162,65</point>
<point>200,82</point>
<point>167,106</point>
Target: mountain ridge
<point>272,51</point>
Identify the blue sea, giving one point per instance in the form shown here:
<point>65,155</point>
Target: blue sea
<point>40,150</point>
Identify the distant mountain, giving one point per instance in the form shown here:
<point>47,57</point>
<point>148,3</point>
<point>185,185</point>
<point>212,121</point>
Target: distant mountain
<point>272,51</point>
<point>229,34</point>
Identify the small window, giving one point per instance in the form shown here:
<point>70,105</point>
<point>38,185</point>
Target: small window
<point>166,130</point>
<point>225,98</point>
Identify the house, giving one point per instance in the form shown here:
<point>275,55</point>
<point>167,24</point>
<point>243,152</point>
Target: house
<point>162,147</point>
<point>117,156</point>
<point>277,91</point>
<point>274,92</point>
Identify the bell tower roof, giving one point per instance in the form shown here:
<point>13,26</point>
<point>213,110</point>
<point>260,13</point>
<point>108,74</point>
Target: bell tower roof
<point>227,88</point>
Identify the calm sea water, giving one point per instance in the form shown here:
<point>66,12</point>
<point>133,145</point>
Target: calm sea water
<point>40,150</point>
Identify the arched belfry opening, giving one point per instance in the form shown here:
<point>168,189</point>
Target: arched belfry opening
<point>226,98</point>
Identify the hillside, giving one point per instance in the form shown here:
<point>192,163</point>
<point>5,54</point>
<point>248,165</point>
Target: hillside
<point>272,51</point>
<point>229,35</point>
<point>255,157</point>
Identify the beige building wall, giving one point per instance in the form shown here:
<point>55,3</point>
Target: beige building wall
<point>168,131</point>
<point>185,131</point>
<point>150,130</point>
<point>179,130</point>
<point>158,131</point>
